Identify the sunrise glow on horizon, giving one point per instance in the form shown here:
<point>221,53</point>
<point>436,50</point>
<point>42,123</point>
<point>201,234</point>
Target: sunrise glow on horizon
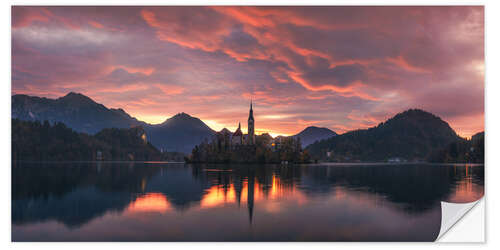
<point>343,68</point>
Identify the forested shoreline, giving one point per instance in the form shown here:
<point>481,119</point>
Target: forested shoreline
<point>42,141</point>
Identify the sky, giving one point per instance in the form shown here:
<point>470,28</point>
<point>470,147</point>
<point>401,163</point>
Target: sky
<point>343,68</point>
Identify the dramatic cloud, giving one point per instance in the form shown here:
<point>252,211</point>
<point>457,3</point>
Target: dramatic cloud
<point>337,67</point>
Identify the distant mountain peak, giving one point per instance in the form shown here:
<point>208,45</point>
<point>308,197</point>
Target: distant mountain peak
<point>182,119</point>
<point>75,95</point>
<point>76,98</point>
<point>179,117</point>
<point>312,127</point>
<point>182,115</point>
<point>180,133</point>
<point>312,134</point>
<point>316,128</point>
<point>414,112</point>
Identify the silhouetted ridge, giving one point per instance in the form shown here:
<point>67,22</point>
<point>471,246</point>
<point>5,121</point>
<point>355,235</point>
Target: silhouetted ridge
<point>410,135</point>
<point>182,118</point>
<point>312,134</point>
<point>180,133</point>
<point>73,96</point>
<point>75,110</point>
<point>79,112</point>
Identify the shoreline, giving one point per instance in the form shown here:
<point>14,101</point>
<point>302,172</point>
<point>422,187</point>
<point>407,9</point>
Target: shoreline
<point>257,163</point>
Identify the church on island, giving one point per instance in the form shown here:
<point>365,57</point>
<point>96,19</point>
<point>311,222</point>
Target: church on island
<point>226,146</point>
<point>238,138</point>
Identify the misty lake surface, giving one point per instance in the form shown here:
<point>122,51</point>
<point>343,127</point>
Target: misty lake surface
<point>126,201</point>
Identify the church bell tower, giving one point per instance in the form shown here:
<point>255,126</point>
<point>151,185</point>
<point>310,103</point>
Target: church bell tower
<point>251,127</point>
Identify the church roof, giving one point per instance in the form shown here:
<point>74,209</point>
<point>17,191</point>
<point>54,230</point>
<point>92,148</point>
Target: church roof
<point>238,131</point>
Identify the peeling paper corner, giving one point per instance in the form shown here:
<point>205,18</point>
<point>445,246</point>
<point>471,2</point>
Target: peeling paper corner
<point>451,213</point>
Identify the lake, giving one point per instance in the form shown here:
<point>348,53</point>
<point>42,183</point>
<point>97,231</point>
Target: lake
<point>127,201</point>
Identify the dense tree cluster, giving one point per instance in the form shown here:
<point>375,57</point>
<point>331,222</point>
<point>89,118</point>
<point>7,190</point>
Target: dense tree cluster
<point>36,141</point>
<point>411,135</point>
<point>461,151</point>
<point>265,150</point>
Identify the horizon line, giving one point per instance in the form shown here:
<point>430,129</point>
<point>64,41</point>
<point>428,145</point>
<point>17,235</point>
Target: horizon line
<point>207,122</point>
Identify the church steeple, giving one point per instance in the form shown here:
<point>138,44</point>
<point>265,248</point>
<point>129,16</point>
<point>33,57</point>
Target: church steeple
<point>251,125</point>
<point>250,116</point>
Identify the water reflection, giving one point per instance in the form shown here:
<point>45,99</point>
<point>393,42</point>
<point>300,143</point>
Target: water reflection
<point>150,202</point>
<point>176,202</point>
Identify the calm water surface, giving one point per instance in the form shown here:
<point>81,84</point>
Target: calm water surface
<point>178,202</point>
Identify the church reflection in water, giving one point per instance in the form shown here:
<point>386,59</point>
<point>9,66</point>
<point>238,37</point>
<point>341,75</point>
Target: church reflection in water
<point>78,193</point>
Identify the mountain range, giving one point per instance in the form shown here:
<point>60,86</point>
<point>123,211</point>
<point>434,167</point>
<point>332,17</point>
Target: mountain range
<point>180,133</point>
<point>76,111</point>
<point>411,135</point>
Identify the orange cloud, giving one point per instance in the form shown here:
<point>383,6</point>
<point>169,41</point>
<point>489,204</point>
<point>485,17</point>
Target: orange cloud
<point>143,70</point>
<point>96,24</point>
<point>192,37</point>
<point>27,15</point>
<point>170,89</point>
<point>68,22</point>
<point>247,15</point>
<point>251,17</point>
<point>401,62</point>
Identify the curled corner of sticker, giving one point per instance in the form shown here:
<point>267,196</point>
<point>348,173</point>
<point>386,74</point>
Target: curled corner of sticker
<point>451,213</point>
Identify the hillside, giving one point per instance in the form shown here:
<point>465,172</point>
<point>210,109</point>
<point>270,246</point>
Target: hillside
<point>411,135</point>
<point>35,141</point>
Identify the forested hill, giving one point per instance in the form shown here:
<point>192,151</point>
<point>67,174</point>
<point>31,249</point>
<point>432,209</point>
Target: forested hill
<point>411,135</point>
<point>35,141</point>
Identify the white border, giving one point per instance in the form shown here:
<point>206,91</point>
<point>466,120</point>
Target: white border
<point>492,126</point>
<point>461,231</point>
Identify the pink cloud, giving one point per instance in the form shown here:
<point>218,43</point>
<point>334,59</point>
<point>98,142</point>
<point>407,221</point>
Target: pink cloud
<point>24,16</point>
